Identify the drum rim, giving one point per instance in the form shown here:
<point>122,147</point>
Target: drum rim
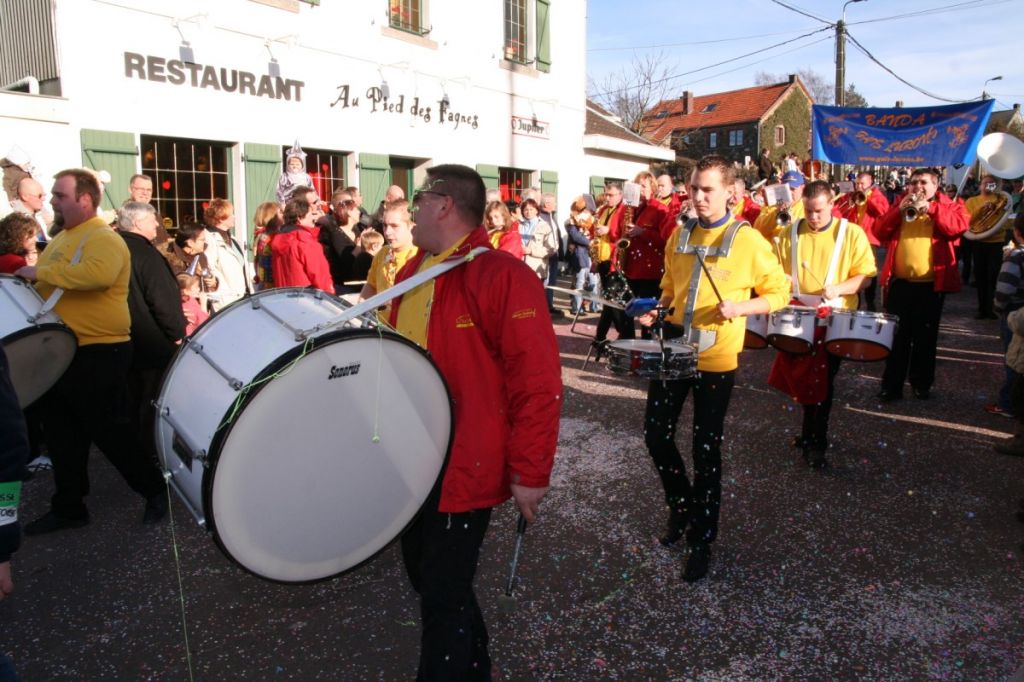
<point>25,332</point>
<point>220,437</point>
<point>853,359</point>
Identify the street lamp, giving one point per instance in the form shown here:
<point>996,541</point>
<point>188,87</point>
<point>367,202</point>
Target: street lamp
<point>984,95</point>
<point>841,56</point>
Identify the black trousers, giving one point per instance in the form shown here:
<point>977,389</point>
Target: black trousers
<point>87,405</point>
<point>919,308</point>
<point>988,259</point>
<point>141,389</point>
<point>441,552</point>
<point>612,316</point>
<point>868,295</point>
<point>815,427</point>
<point>699,500</point>
<point>964,255</point>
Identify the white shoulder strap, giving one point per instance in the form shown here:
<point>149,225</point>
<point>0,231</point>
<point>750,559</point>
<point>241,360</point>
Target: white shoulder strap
<point>58,292</point>
<point>836,250</point>
<point>794,262</point>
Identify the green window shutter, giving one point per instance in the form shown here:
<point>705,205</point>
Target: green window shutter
<point>262,171</point>
<point>549,182</point>
<point>596,185</point>
<point>489,174</point>
<point>374,178</point>
<point>543,36</point>
<point>115,153</point>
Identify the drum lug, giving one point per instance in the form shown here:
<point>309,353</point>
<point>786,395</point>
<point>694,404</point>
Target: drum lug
<point>197,348</point>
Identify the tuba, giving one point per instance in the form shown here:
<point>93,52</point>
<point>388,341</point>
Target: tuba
<point>1001,155</point>
<point>990,219</point>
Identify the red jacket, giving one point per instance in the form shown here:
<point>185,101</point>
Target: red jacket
<point>749,210</point>
<point>511,241</point>
<point>877,207</point>
<point>646,255</point>
<point>491,337</point>
<point>9,262</point>
<point>297,259</point>
<point>949,220</point>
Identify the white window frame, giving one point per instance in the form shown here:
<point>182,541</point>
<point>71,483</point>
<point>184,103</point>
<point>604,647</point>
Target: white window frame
<point>712,140</point>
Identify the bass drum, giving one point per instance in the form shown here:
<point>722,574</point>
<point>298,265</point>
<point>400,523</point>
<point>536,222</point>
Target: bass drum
<point>39,351</point>
<point>303,457</point>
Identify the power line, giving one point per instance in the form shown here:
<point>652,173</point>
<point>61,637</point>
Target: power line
<point>803,12</point>
<point>738,68</point>
<point>709,66</point>
<point>958,7</point>
<point>698,42</point>
<point>900,78</point>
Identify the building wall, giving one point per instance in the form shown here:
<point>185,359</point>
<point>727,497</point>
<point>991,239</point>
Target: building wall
<point>794,113</point>
<point>332,59</point>
<point>699,144</point>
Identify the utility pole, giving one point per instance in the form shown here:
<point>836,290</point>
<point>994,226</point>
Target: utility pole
<point>841,61</point>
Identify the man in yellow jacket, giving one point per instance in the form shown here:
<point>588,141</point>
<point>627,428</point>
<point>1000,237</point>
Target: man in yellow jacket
<point>91,263</point>
<point>739,260</point>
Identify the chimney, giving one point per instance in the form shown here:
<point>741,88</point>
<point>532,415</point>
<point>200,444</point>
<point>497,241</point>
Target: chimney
<point>792,78</point>
<point>899,104</point>
<point>1016,106</point>
<point>687,99</point>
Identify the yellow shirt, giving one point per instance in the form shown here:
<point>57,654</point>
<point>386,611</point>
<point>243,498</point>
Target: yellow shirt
<point>95,300</point>
<point>385,265</point>
<point>913,261</point>
<point>815,249</point>
<point>974,205</point>
<point>414,313</point>
<point>765,223</point>
<point>750,265</point>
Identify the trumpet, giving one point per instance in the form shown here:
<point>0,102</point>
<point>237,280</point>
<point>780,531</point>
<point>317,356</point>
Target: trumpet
<point>915,209</point>
<point>783,218</point>
<point>860,198</point>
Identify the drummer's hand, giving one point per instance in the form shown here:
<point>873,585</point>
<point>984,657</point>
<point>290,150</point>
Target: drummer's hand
<point>727,310</point>
<point>830,291</point>
<point>647,319</point>
<point>26,272</point>
<point>528,499</point>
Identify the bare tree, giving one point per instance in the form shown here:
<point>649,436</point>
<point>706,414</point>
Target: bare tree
<point>822,90</point>
<point>631,92</point>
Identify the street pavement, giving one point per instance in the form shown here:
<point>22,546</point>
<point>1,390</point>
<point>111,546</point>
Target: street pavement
<point>901,561</point>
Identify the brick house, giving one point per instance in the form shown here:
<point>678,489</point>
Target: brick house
<point>735,124</point>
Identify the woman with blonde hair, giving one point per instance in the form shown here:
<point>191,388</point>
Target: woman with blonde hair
<point>224,254</point>
<point>538,238</point>
<point>267,221</point>
<point>503,231</point>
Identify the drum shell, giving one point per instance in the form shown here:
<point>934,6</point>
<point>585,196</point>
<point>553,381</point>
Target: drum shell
<point>40,351</point>
<point>643,358</point>
<point>304,440</point>
<point>756,335</point>
<point>791,329</point>
<point>860,335</point>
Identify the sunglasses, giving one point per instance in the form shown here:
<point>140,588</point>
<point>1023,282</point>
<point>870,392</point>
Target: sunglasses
<point>347,203</point>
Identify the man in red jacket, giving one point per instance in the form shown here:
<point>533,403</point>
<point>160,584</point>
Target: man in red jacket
<point>865,205</point>
<point>487,328</point>
<point>920,268</point>
<point>296,257</point>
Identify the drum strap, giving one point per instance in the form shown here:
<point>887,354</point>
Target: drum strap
<point>58,292</point>
<point>704,338</point>
<point>833,264</point>
<point>402,287</point>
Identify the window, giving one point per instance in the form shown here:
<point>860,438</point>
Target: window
<point>709,108</point>
<point>527,39</point>
<point>326,168</point>
<point>512,182</point>
<point>712,140</point>
<point>661,114</point>
<point>187,174</point>
<point>407,15</point>
<point>735,138</point>
<point>780,135</point>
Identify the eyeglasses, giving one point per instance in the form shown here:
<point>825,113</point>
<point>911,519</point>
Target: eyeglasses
<point>346,203</point>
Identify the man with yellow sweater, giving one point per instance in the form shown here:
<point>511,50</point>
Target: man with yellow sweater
<point>739,261</point>
<point>829,260</point>
<point>91,264</point>
<point>767,222</point>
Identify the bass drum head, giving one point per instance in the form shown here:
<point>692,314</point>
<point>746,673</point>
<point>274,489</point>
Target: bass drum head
<point>39,355</point>
<point>329,457</point>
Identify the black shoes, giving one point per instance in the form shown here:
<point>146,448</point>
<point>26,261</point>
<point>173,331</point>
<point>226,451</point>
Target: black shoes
<point>887,396</point>
<point>51,522</point>
<point>697,564</point>
<point>675,527</point>
<point>922,393</point>
<point>156,509</point>
<point>600,348</point>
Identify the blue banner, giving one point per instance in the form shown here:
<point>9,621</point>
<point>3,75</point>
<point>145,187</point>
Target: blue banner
<point>919,136</point>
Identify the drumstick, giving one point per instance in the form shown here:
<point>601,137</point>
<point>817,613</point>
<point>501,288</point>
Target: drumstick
<point>814,277</point>
<point>707,272</point>
<point>506,602</point>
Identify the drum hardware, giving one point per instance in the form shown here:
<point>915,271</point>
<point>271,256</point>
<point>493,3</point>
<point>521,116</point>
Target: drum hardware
<point>506,602</point>
<point>197,348</point>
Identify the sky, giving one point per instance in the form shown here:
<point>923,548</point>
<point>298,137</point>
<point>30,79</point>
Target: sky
<point>950,51</point>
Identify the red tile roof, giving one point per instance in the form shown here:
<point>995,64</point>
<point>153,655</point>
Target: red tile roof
<point>736,106</point>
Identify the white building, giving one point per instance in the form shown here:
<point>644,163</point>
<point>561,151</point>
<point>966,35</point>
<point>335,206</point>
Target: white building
<point>205,97</point>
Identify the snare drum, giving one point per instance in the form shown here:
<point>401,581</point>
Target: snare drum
<point>756,336</point>
<point>303,457</point>
<point>791,329</point>
<point>860,335</point>
<point>643,358</point>
<point>40,350</point>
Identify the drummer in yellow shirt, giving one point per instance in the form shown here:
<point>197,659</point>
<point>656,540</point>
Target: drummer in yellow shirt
<point>767,222</point>
<point>389,260</point>
<point>717,327</point>
<point>810,378</point>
